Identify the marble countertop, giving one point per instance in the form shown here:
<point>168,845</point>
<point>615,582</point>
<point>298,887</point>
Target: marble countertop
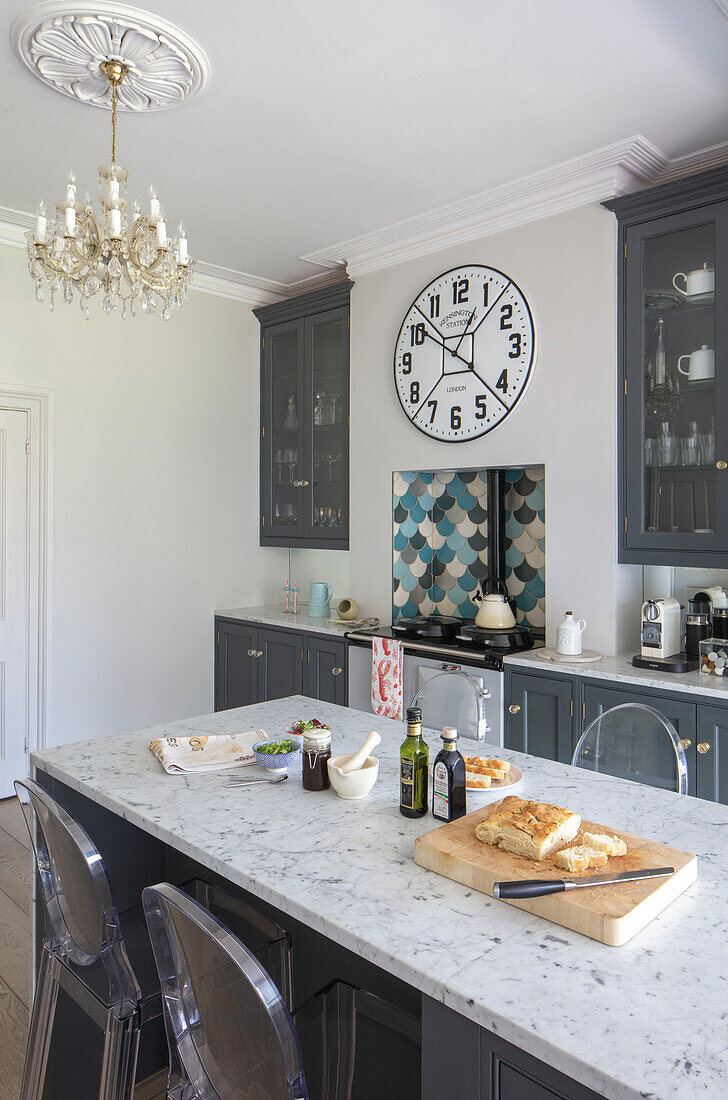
<point>643,1020</point>
<point>273,616</point>
<point>620,668</point>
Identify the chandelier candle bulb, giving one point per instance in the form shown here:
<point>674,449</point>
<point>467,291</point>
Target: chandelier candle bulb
<point>115,221</point>
<point>41,222</point>
<point>162,233</point>
<point>181,244</point>
<point>70,220</point>
<point>113,191</point>
<point>70,189</point>
<point>154,207</point>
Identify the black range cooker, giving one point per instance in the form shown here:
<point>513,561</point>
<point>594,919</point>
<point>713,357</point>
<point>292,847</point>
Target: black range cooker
<point>441,634</point>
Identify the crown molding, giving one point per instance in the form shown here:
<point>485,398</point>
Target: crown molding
<point>614,170</point>
<point>606,172</point>
<point>722,6</point>
<point>715,156</point>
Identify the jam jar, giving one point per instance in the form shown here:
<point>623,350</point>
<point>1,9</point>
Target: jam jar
<point>316,751</point>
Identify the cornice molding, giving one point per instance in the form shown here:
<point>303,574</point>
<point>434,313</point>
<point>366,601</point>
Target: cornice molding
<point>606,172</point>
<point>624,167</point>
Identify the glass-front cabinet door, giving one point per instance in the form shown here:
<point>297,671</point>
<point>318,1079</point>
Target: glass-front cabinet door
<point>327,342</point>
<point>675,432</point>
<point>304,467</point>
<point>283,430</point>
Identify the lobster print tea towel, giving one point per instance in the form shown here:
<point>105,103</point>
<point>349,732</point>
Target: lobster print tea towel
<point>387,677</point>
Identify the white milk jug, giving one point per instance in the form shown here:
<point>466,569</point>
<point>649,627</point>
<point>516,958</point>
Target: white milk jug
<point>568,635</point>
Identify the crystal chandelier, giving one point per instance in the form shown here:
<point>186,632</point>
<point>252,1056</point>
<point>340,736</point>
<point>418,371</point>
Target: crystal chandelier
<point>121,253</point>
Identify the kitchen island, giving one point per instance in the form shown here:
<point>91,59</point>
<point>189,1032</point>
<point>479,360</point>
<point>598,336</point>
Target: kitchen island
<point>499,988</point>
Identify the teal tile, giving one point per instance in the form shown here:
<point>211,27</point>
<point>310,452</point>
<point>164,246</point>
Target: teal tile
<point>467,555</point>
<point>399,542</point>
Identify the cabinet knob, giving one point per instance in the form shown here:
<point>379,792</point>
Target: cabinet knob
<point>514,708</point>
<point>251,653</point>
<point>300,484</point>
<point>703,747</point>
<point>259,653</point>
<point>721,464</point>
<point>336,671</point>
<point>686,743</point>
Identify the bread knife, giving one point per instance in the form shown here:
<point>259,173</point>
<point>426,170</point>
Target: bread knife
<point>536,887</point>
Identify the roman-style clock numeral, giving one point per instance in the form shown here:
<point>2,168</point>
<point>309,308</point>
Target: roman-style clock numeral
<point>464,354</point>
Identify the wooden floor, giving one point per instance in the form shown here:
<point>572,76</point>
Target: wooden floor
<point>15,955</point>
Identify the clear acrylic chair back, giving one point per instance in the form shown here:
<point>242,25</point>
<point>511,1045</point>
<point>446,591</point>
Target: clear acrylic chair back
<point>634,741</point>
<point>229,1032</point>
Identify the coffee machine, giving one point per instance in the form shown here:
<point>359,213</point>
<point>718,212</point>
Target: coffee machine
<point>698,622</point>
<point>661,638</point>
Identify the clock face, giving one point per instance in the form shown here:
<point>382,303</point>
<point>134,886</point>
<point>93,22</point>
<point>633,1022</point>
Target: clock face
<point>464,354</point>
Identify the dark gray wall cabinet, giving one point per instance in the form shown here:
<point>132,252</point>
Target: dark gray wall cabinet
<point>304,390</point>
<point>254,663</point>
<point>673,422</point>
<point>546,714</point>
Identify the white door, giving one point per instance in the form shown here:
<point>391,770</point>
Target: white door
<point>13,598</point>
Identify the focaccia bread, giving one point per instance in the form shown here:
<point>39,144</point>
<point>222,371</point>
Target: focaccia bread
<point>483,767</point>
<point>581,858</point>
<point>530,829</point>
<point>487,762</point>
<point>476,780</point>
<point>604,842</point>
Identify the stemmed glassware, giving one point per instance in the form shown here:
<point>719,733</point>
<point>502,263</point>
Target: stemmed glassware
<point>330,460</point>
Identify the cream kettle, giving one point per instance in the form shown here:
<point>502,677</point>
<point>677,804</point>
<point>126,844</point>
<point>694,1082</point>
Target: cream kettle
<point>495,612</point>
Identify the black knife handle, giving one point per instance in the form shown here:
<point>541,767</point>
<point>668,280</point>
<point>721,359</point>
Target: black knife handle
<point>527,888</point>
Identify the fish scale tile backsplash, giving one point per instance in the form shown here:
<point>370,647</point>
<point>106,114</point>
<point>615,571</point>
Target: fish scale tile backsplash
<point>441,548</point>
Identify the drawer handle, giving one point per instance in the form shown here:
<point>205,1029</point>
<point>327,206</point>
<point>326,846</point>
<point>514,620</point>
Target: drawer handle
<point>514,708</point>
<point>336,671</point>
<point>300,484</point>
<point>686,743</point>
<point>703,747</point>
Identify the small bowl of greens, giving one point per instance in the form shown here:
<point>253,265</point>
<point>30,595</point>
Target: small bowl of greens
<point>276,755</point>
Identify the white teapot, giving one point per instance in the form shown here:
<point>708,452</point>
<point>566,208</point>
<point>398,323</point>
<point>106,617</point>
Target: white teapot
<point>698,282</point>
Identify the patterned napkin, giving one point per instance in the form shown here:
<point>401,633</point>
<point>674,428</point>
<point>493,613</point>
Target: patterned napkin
<point>206,752</point>
<point>387,677</point>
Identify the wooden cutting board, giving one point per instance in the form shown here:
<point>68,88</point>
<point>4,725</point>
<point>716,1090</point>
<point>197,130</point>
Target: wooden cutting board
<point>611,914</point>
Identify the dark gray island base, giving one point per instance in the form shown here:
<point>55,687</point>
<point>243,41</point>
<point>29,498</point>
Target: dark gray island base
<point>508,1005</point>
<point>458,1060</point>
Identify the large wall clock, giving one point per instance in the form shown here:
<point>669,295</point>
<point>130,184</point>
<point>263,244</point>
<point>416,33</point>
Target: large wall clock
<point>465,353</point>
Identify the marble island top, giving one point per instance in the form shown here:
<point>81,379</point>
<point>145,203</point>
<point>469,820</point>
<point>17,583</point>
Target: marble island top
<point>644,1020</point>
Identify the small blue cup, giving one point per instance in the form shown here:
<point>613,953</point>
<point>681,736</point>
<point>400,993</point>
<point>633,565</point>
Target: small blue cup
<point>319,600</point>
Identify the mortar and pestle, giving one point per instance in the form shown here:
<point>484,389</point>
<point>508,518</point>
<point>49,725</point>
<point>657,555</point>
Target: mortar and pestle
<point>353,775</point>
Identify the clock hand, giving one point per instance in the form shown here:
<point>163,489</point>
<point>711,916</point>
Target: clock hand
<point>433,327</point>
<point>441,341</point>
<point>462,335</point>
<point>442,345</point>
<point>495,303</point>
<point>506,407</point>
<point>423,403</point>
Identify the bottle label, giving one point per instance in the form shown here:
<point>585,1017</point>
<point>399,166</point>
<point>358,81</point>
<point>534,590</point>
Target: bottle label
<point>440,792</point>
<point>407,783</point>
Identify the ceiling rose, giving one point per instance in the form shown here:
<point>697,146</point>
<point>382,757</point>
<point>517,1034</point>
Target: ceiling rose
<point>65,48</point>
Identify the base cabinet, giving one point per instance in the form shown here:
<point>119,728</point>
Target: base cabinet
<point>711,763</point>
<point>326,672</point>
<point>461,1059</point>
<point>255,663</point>
<point>546,715</point>
<point>539,715</point>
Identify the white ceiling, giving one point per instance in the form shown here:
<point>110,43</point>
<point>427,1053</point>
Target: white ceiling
<point>330,119</point>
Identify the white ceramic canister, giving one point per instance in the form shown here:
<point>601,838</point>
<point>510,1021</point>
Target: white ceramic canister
<point>568,635</point>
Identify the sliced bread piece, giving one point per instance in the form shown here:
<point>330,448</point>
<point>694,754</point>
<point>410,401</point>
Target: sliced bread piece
<point>476,780</point>
<point>604,842</point>
<point>581,858</point>
<point>530,829</point>
<point>488,762</point>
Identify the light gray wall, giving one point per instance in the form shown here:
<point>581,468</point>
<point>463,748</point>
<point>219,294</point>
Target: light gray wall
<point>154,498</point>
<point>566,266</point>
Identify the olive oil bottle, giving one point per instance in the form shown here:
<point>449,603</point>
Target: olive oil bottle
<point>448,779</point>
<point>413,758</point>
